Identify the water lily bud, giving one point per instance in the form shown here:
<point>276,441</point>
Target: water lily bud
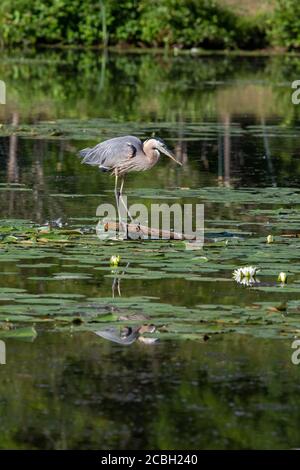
<point>270,239</point>
<point>115,260</point>
<point>282,277</point>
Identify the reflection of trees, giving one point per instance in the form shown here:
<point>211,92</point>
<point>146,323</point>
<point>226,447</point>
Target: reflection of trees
<point>12,166</point>
<point>39,152</point>
<point>26,204</point>
<point>170,92</point>
<point>227,149</point>
<point>268,153</point>
<point>127,87</point>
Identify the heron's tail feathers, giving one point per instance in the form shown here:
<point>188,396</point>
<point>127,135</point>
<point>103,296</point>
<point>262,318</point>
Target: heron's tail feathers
<point>83,153</point>
<point>90,156</point>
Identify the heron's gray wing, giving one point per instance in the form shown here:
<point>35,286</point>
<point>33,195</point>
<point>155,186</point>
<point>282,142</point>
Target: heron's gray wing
<point>112,334</point>
<point>111,152</point>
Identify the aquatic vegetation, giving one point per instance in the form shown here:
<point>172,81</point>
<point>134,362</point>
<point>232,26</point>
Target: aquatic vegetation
<point>71,269</point>
<point>25,334</point>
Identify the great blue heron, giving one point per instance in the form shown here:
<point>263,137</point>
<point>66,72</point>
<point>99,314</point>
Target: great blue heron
<point>121,155</point>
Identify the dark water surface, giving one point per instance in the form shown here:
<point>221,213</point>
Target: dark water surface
<point>221,375</point>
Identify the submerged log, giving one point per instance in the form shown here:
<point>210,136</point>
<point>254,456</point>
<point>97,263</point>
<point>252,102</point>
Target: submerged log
<point>148,232</point>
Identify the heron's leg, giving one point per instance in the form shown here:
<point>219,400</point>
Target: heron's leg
<point>123,202</point>
<point>116,189</point>
<point>117,197</point>
<point>122,185</point>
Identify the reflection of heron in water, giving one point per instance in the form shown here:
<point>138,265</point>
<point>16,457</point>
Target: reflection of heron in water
<point>122,155</point>
<point>127,335</point>
<point>116,284</point>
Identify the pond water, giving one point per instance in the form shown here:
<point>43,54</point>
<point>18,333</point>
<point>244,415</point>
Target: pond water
<point>220,375</point>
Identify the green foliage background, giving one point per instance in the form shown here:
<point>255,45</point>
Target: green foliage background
<point>285,25</point>
<point>148,23</point>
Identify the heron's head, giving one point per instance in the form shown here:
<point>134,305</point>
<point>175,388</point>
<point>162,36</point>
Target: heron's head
<point>155,143</point>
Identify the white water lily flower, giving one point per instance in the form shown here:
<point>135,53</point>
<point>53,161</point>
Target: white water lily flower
<point>248,282</point>
<point>246,275</point>
<point>251,271</point>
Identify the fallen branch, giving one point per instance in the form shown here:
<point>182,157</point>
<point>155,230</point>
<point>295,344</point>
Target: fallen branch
<point>147,232</point>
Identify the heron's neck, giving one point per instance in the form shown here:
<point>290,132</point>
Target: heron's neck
<point>151,153</point>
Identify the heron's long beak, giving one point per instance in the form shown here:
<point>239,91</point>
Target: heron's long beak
<point>167,152</point>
